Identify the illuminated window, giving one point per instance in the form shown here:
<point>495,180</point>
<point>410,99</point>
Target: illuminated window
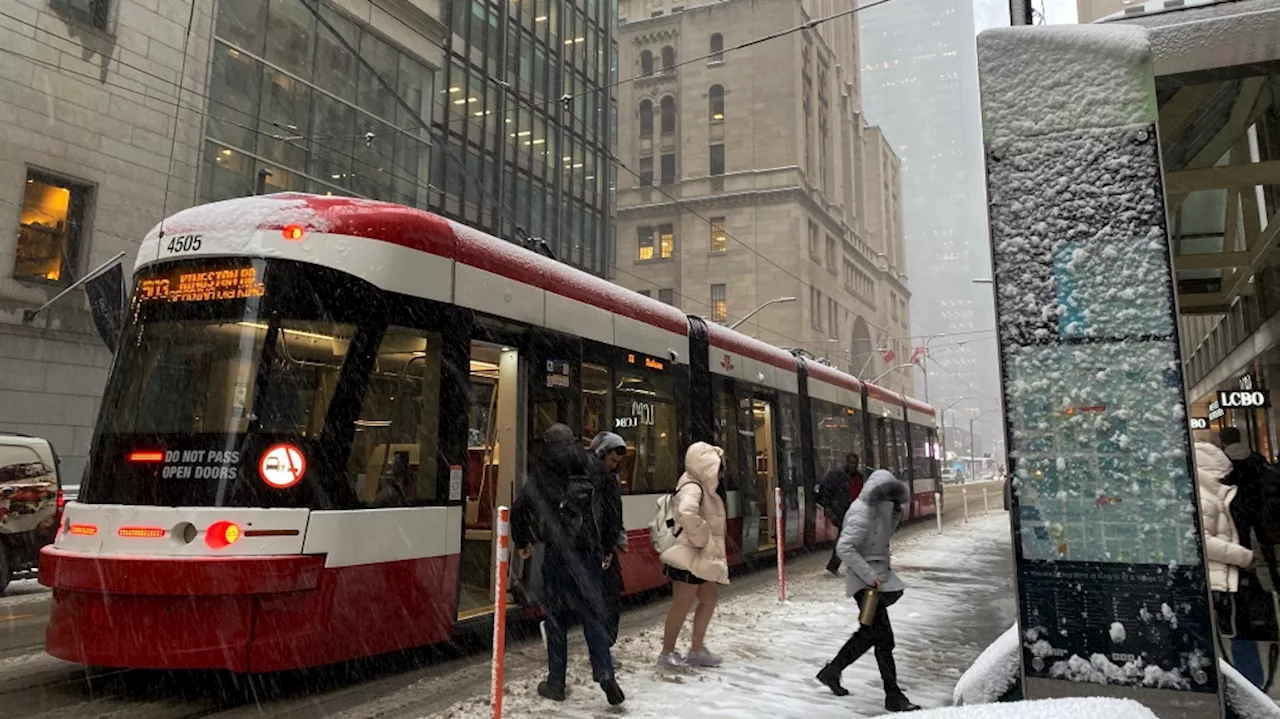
<point>49,226</point>
<point>719,238</point>
<point>667,241</point>
<point>719,305</point>
<point>716,103</point>
<point>644,239</point>
<point>717,49</point>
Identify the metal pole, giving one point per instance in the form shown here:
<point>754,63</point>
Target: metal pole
<point>964,499</point>
<point>937,505</point>
<point>782,545</point>
<point>29,315</point>
<point>260,187</point>
<point>1020,12</point>
<point>985,507</point>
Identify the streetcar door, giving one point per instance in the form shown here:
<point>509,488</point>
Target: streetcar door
<point>763,415</point>
<point>494,453</point>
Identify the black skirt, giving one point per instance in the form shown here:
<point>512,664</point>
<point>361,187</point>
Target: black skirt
<point>681,575</point>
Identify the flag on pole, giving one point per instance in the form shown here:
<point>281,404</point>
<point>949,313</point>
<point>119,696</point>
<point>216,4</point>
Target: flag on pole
<point>918,356</point>
<point>106,303</point>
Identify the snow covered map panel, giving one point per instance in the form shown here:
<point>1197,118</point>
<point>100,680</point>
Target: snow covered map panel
<point>1110,572</point>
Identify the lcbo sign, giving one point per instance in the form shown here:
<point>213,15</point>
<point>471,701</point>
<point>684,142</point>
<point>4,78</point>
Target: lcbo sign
<point>1247,397</point>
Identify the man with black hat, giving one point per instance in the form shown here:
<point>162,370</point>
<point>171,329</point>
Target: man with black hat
<point>564,506</point>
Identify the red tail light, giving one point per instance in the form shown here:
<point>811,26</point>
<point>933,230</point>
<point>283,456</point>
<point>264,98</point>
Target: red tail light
<point>84,530</point>
<point>141,532</point>
<point>146,455</point>
<point>221,535</point>
<point>292,232</point>
<point>57,515</point>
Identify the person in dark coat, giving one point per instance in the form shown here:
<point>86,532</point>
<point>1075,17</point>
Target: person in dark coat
<point>609,449</point>
<point>836,492</point>
<point>1256,515</point>
<point>564,506</point>
<point>864,546</point>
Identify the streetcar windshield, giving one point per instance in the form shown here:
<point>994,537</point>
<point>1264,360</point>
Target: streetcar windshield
<point>201,376</point>
<point>223,360</point>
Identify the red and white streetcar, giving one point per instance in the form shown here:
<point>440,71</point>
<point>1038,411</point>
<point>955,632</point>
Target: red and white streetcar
<point>319,402</point>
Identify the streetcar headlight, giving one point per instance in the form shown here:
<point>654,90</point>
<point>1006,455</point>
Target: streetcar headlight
<point>221,535</point>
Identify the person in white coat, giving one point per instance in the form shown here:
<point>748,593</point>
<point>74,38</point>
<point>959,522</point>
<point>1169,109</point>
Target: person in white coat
<point>697,563</point>
<point>869,525</point>
<point>1224,555</point>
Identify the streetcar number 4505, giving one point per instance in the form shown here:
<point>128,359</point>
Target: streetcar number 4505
<point>184,243</point>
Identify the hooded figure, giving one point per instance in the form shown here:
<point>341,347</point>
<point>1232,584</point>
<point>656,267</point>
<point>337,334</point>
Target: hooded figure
<point>864,547</point>
<point>868,526</point>
<point>700,548</point>
<point>1224,554</point>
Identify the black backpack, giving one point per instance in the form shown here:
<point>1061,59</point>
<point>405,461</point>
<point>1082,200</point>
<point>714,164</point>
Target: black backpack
<point>577,514</point>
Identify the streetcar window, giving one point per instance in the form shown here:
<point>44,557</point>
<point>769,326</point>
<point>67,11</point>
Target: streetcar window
<point>901,445</point>
<point>646,417</point>
<point>201,376</point>
<point>837,431</point>
<point>393,459</point>
<point>597,396</point>
<point>726,431</point>
<point>921,447</point>
<point>789,444</point>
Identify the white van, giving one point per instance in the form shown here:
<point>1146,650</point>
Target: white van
<point>31,503</point>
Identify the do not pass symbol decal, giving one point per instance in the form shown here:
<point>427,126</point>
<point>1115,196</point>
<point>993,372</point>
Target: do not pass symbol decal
<point>282,466</point>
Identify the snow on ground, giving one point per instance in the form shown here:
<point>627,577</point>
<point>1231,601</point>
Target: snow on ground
<point>23,591</point>
<point>772,652</point>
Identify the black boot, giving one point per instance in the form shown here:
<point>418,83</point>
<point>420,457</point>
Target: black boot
<point>899,703</point>
<point>546,691</point>
<point>830,676</point>
<point>613,692</point>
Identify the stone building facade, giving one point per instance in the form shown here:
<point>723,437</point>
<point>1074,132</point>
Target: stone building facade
<point>116,113</point>
<point>753,175</point>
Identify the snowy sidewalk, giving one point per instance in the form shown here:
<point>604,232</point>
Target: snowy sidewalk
<point>959,599</point>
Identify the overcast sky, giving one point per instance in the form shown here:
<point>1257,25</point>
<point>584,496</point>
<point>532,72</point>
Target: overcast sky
<point>994,13</point>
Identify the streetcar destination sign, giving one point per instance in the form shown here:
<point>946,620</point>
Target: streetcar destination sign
<point>202,285</point>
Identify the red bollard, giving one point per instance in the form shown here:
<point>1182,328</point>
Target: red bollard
<point>500,609</point>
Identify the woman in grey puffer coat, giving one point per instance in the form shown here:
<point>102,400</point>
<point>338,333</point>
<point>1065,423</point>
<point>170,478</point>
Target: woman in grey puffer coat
<point>864,548</point>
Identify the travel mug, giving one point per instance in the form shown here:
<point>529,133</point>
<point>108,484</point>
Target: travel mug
<point>870,602</point>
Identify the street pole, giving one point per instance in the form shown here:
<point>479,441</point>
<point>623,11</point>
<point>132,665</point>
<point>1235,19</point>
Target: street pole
<point>1020,12</point>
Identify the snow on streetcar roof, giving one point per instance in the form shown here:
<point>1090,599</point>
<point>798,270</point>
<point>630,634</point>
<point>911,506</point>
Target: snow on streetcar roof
<point>426,232</point>
<point>833,376</point>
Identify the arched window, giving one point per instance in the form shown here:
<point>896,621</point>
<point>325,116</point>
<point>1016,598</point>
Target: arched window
<point>717,49</point>
<point>716,103</point>
<point>646,63</point>
<point>646,118</point>
<point>668,59</point>
<point>668,114</point>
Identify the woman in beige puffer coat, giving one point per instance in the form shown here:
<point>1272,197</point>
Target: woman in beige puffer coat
<point>697,563</point>
<point>1224,555</point>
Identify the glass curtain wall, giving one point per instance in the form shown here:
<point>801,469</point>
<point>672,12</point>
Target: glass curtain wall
<point>286,95</point>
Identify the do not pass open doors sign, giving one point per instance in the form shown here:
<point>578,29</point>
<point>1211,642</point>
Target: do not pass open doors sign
<point>1111,585</point>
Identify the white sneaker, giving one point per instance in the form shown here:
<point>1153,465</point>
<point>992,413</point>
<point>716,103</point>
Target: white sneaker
<point>703,658</point>
<point>671,661</point>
